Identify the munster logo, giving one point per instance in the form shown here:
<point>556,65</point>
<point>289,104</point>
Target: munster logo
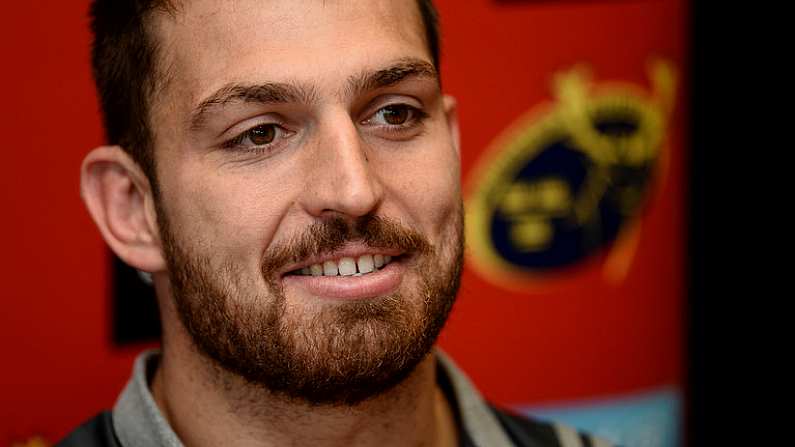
<point>565,182</point>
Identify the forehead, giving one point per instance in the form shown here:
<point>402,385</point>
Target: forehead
<point>207,43</point>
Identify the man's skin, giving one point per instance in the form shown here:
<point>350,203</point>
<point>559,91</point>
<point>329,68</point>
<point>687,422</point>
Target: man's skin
<point>334,153</point>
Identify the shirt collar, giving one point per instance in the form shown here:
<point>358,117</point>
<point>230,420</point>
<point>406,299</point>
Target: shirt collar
<point>138,422</point>
<point>136,418</point>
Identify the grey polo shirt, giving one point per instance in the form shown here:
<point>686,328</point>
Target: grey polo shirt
<point>136,421</point>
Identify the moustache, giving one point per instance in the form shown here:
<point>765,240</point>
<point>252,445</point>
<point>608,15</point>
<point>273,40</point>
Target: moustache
<point>328,235</point>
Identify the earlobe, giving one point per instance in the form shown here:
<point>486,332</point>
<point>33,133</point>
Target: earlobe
<point>451,112</point>
<point>118,196</point>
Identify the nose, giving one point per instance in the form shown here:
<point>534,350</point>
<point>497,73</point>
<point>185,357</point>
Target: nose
<point>340,180</point>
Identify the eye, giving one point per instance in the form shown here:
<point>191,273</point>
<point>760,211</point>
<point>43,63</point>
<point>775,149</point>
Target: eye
<point>395,114</point>
<point>397,117</point>
<point>261,137</point>
<point>262,134</point>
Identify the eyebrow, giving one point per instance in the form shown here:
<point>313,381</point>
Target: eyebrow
<point>394,74</point>
<point>283,93</point>
<point>268,93</point>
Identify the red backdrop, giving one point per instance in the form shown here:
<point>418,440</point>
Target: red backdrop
<point>574,336</point>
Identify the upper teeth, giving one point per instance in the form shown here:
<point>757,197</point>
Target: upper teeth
<point>348,266</point>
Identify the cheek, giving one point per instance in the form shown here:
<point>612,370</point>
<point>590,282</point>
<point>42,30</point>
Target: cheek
<point>428,191</point>
<point>224,217</point>
<point>444,202</point>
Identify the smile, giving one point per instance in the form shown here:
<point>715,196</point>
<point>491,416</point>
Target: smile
<point>346,266</point>
<point>355,272</point>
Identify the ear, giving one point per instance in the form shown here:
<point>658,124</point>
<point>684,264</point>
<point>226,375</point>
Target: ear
<point>451,112</point>
<point>119,198</point>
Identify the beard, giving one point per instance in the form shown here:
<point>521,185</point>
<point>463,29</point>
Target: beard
<point>322,353</point>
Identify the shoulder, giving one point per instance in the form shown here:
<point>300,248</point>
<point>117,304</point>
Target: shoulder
<point>96,432</point>
<point>528,432</point>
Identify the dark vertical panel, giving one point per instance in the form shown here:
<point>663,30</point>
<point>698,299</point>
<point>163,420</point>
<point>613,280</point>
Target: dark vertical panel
<point>730,158</point>
<point>135,313</point>
<point>697,234</point>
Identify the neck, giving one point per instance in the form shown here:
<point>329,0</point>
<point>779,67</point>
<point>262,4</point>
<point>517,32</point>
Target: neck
<point>208,406</point>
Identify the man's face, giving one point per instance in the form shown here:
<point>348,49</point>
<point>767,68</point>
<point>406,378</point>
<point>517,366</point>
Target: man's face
<point>297,143</point>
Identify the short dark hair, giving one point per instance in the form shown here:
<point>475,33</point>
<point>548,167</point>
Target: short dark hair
<point>124,63</point>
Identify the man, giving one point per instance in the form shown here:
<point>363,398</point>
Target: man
<point>288,172</point>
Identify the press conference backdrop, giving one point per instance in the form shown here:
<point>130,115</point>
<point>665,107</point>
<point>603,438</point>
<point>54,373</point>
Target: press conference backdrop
<point>572,116</point>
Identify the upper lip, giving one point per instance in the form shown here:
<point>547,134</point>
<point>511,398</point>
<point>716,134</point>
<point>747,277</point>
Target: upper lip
<point>351,250</point>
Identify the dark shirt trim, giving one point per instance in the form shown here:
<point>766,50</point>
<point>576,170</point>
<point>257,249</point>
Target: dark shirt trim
<point>96,432</point>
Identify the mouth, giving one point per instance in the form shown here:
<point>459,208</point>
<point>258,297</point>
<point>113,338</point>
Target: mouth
<point>355,272</point>
<point>346,266</point>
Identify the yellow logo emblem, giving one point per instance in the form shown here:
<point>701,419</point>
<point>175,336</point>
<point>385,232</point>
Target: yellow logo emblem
<point>565,181</point>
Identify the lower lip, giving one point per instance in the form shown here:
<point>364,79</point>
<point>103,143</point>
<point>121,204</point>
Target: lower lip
<point>377,283</point>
